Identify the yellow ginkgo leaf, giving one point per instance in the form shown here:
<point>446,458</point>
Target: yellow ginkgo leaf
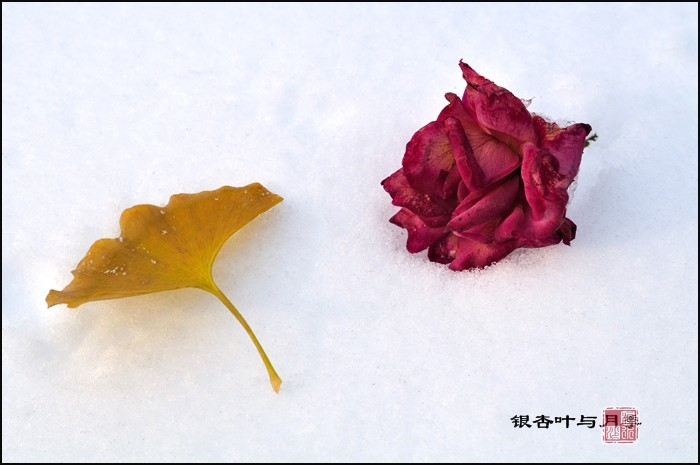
<point>171,247</point>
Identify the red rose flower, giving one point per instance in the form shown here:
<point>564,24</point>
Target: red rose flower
<point>486,178</point>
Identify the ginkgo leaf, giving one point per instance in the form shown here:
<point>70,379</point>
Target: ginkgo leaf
<point>171,247</point>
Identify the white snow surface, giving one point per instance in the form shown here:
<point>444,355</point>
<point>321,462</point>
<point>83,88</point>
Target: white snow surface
<point>384,355</point>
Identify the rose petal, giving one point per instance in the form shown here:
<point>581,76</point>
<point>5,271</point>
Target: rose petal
<point>497,109</point>
<point>429,160</point>
<point>462,191</point>
<point>455,109</point>
<point>475,255</point>
<point>495,158</point>
<point>544,186</point>
<point>435,212</point>
<point>462,253</point>
<point>520,226</point>
<point>420,236</point>
<point>531,239</point>
<point>566,144</point>
<point>443,250</point>
<point>468,167</point>
<point>512,227</point>
<point>482,232</point>
<point>495,203</point>
<point>546,195</point>
<point>567,231</point>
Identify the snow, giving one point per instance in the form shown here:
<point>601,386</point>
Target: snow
<point>384,355</point>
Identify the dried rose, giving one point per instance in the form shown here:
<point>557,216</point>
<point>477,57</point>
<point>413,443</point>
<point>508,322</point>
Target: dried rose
<point>486,178</point>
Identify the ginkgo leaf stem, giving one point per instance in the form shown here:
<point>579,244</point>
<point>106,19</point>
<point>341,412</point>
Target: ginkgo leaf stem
<point>275,380</point>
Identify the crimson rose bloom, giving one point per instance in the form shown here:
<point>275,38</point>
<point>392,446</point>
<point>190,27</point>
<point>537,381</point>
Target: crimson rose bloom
<point>486,178</point>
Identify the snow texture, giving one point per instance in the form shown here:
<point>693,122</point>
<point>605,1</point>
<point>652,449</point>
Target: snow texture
<point>384,355</point>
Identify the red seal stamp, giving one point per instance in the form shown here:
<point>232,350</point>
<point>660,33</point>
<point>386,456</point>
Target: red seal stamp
<point>620,425</point>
